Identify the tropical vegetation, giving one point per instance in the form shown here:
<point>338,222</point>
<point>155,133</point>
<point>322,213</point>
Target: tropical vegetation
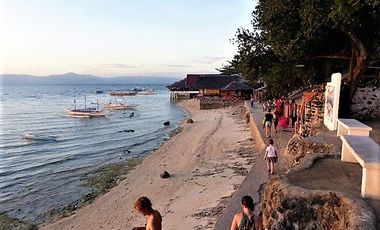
<point>299,43</point>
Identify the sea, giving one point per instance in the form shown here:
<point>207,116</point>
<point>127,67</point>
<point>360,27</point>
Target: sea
<point>37,176</point>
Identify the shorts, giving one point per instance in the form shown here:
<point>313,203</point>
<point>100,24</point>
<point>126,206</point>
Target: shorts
<point>272,159</point>
<point>268,123</point>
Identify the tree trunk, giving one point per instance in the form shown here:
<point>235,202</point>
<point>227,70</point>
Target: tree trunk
<point>351,61</point>
<point>360,56</point>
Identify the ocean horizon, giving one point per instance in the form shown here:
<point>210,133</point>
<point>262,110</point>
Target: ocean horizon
<point>38,176</point>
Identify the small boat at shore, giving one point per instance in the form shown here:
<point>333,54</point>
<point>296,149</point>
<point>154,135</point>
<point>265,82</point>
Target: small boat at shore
<point>29,136</point>
<point>123,93</point>
<point>86,112</point>
<point>147,92</point>
<point>118,106</point>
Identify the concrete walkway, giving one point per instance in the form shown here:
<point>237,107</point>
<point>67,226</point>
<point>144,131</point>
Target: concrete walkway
<point>258,173</point>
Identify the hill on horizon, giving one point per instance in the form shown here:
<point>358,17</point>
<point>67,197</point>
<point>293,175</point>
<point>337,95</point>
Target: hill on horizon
<point>80,79</point>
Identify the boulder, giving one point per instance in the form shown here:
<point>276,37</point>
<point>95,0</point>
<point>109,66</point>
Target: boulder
<point>190,120</point>
<point>164,175</point>
<point>167,123</point>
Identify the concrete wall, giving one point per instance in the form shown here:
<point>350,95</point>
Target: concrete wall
<point>255,128</point>
<point>366,103</point>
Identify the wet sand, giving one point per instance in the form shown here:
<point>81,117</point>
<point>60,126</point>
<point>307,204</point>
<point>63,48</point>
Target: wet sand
<point>207,161</point>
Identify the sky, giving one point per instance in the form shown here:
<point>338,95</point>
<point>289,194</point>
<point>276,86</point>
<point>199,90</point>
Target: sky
<point>119,37</point>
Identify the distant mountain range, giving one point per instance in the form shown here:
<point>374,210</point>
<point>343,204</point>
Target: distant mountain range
<point>79,79</point>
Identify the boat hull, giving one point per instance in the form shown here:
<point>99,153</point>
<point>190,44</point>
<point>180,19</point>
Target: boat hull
<point>84,114</point>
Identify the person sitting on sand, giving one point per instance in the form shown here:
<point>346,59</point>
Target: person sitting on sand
<point>246,219</point>
<point>153,217</point>
<point>270,157</point>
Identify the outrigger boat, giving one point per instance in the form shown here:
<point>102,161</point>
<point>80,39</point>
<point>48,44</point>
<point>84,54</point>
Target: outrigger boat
<point>87,112</point>
<point>147,92</point>
<point>123,93</point>
<point>118,106</point>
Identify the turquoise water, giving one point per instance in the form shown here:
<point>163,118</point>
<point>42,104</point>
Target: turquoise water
<point>36,176</point>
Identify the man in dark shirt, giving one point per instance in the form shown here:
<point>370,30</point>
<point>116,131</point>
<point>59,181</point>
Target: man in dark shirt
<point>267,123</point>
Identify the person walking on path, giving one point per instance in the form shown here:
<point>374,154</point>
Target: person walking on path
<point>276,115</point>
<point>153,217</point>
<point>247,219</point>
<point>293,113</point>
<point>270,157</point>
<point>267,123</point>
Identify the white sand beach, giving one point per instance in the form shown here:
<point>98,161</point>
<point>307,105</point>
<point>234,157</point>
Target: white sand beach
<point>207,161</point>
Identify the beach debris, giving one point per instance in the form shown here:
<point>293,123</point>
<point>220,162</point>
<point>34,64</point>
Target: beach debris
<point>190,120</point>
<point>167,123</point>
<point>164,175</point>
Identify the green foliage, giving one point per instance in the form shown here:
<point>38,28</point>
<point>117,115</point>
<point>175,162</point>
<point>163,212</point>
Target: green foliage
<point>326,36</point>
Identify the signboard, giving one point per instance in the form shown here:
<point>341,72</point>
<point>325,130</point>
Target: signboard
<point>332,102</point>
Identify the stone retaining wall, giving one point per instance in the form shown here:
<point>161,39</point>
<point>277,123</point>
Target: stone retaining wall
<point>366,103</point>
<point>214,103</point>
<point>314,112</point>
<point>291,207</point>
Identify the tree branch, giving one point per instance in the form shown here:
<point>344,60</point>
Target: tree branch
<point>329,57</point>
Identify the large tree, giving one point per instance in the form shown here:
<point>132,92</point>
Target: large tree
<point>322,35</point>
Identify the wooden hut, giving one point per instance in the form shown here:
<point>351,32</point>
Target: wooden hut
<point>238,90</point>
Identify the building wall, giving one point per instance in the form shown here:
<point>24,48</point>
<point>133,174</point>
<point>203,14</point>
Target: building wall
<point>210,91</point>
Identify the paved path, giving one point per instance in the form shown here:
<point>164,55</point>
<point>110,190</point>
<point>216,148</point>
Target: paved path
<point>257,174</point>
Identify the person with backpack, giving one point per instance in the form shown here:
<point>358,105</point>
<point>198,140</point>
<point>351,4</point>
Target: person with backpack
<point>247,220</point>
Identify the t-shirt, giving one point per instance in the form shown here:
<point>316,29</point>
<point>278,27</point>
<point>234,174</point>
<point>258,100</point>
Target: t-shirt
<point>268,117</point>
<point>271,151</point>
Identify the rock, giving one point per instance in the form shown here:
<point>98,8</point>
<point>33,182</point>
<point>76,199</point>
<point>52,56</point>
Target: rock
<point>167,123</point>
<point>190,120</point>
<point>127,131</point>
<point>164,175</point>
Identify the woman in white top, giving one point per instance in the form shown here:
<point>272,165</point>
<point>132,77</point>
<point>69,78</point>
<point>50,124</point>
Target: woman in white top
<point>270,157</point>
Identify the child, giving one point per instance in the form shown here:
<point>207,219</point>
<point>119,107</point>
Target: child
<point>270,157</point>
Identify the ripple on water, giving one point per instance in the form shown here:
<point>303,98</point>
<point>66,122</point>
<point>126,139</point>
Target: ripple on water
<point>38,175</point>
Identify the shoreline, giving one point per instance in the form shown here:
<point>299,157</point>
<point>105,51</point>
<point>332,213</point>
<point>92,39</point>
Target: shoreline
<point>100,181</point>
<point>206,161</point>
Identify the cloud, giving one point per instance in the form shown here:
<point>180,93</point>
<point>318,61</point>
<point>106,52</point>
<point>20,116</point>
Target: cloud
<point>177,66</point>
<point>211,60</point>
<point>121,66</point>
